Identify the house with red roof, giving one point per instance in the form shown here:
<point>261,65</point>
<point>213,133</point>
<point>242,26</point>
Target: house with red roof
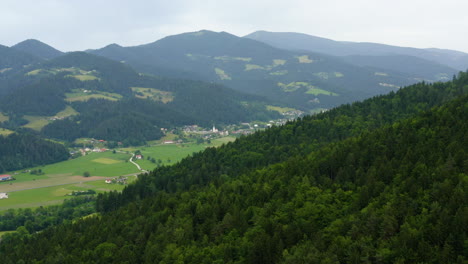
<point>5,177</point>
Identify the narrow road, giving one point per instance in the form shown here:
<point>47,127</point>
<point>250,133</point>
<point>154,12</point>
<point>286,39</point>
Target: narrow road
<point>134,163</point>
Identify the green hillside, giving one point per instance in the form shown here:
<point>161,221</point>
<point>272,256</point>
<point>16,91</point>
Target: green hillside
<point>114,102</point>
<point>382,181</point>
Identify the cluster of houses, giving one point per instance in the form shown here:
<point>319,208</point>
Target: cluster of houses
<point>56,118</point>
<point>119,180</point>
<point>197,130</point>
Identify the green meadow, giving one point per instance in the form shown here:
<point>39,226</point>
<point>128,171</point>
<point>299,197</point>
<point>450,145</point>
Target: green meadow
<point>5,132</point>
<point>81,95</point>
<point>279,109</point>
<point>153,94</point>
<point>38,122</point>
<point>172,153</point>
<point>3,118</point>
<point>60,179</point>
<point>54,194</point>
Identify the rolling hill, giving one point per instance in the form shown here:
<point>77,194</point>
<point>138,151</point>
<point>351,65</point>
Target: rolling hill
<point>299,79</point>
<point>298,41</point>
<point>38,49</point>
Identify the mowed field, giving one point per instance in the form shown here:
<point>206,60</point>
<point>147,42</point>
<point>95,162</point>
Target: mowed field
<point>172,153</point>
<point>62,178</point>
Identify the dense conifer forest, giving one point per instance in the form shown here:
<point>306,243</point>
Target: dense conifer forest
<point>18,151</point>
<point>380,181</point>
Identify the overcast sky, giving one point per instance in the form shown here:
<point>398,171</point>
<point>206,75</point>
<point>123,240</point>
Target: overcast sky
<point>71,25</point>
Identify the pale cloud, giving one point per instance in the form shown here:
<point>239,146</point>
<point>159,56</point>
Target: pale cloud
<point>83,24</point>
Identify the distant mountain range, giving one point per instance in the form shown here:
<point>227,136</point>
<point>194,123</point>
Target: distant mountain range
<point>301,79</point>
<point>264,68</point>
<point>298,41</point>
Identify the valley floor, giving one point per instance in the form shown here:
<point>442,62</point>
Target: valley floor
<point>61,179</point>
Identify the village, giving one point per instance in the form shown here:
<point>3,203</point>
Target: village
<point>189,135</point>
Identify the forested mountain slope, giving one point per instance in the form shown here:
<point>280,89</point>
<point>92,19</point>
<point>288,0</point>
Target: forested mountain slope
<point>12,61</point>
<point>382,181</point>
<point>18,151</point>
<point>113,102</point>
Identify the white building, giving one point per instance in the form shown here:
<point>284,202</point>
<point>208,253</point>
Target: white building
<point>3,195</point>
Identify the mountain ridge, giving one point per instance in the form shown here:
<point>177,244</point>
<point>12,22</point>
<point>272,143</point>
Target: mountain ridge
<point>38,49</point>
<point>299,79</point>
<point>300,41</point>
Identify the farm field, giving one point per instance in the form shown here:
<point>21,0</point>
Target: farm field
<point>5,132</point>
<point>38,122</point>
<point>3,117</point>
<point>55,194</point>
<point>62,178</point>
<point>172,153</point>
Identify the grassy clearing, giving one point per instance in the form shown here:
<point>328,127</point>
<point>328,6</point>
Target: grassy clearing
<point>293,86</point>
<point>338,74</point>
<point>81,95</point>
<point>84,77</point>
<point>277,73</point>
<point>278,62</point>
<point>317,91</point>
<point>222,75</point>
<point>228,58</point>
<point>304,59</point>
<point>249,67</point>
<point>279,109</point>
<point>36,122</point>
<point>68,111</point>
<point>153,94</point>
<point>3,118</point>
<point>5,132</point>
<point>34,72</point>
